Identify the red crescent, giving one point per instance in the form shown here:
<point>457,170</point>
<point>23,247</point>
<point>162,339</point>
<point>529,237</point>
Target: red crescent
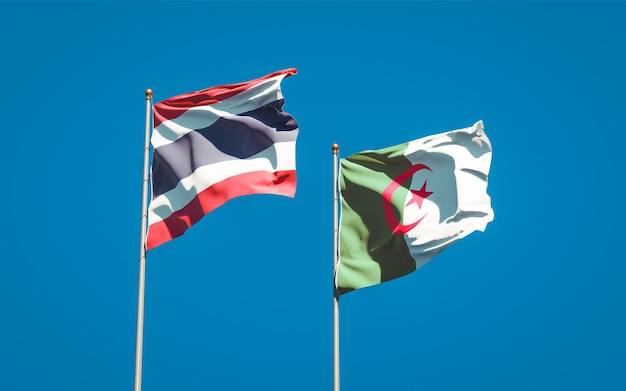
<point>396,227</point>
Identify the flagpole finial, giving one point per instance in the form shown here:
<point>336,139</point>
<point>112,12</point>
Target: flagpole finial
<point>148,94</point>
<point>335,148</point>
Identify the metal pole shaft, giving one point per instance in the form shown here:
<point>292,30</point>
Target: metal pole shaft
<point>335,260</point>
<point>142,247</point>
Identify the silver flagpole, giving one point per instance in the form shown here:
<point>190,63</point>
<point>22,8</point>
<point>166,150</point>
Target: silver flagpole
<point>335,259</point>
<point>142,247</point>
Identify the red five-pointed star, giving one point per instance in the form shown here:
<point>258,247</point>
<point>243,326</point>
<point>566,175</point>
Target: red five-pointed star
<point>419,196</point>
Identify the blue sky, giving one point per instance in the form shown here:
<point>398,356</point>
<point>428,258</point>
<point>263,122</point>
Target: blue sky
<point>243,301</point>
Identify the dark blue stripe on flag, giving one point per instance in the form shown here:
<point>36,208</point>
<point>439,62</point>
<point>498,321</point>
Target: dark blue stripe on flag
<point>229,138</point>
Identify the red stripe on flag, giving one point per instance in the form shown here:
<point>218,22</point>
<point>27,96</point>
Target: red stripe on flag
<point>258,182</point>
<point>177,105</point>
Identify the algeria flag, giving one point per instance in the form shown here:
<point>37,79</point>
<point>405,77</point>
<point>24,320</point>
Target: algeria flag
<point>403,205</point>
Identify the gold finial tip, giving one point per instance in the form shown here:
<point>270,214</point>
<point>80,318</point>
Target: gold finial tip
<point>335,148</point>
<point>148,93</point>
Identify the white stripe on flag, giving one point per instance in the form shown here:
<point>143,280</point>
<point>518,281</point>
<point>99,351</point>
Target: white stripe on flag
<point>459,204</point>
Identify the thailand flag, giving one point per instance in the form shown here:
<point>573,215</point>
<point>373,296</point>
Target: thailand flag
<point>217,144</point>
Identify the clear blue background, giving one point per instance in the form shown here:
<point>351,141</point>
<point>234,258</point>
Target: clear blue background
<point>243,301</point>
